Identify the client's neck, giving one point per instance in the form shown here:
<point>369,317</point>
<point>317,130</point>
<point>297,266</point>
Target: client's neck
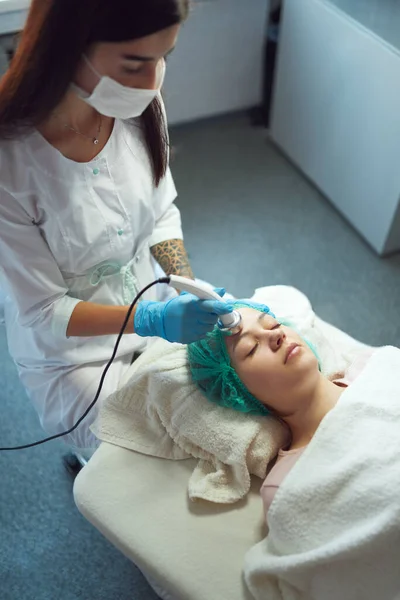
<point>305,421</point>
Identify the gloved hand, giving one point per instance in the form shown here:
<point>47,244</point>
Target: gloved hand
<point>184,319</point>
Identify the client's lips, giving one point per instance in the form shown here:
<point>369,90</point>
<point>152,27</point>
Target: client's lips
<point>289,350</point>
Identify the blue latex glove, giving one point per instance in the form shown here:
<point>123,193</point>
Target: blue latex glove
<point>184,319</point>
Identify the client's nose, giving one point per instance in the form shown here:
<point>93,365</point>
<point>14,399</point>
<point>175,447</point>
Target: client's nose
<point>276,339</point>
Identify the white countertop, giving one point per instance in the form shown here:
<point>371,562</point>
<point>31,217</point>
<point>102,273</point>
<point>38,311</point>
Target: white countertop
<point>382,17</point>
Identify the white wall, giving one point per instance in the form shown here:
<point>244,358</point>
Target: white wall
<point>217,66</point>
<point>13,15</point>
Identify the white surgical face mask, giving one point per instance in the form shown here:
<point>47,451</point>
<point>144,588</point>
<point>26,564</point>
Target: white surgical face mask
<point>112,99</point>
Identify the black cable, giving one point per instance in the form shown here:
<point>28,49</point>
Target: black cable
<point>87,411</point>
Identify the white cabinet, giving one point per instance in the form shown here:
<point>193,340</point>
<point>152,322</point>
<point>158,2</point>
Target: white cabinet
<point>336,109</point>
<point>217,66</point>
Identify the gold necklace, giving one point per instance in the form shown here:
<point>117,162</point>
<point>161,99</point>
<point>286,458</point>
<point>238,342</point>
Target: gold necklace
<point>95,139</point>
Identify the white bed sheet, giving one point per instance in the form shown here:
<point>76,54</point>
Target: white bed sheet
<point>192,551</point>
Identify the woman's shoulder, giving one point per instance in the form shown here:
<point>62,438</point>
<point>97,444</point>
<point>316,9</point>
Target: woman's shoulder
<point>17,166</point>
<point>282,467</point>
<point>14,159</point>
<point>17,143</point>
<point>356,367</point>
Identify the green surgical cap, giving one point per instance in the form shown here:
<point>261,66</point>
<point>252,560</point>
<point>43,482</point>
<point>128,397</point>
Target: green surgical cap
<point>211,369</point>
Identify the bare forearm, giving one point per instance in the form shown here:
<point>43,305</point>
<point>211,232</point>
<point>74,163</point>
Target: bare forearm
<point>171,255</point>
<point>90,319</point>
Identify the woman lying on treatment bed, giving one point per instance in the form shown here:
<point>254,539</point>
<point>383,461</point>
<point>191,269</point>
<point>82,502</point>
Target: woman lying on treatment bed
<point>268,368</point>
<point>334,521</point>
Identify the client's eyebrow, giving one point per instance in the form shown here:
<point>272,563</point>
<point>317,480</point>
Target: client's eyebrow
<point>240,336</point>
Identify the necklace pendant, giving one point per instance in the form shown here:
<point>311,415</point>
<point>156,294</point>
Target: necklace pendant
<point>95,141</point>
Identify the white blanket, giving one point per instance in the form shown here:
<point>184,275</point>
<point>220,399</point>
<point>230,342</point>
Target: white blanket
<point>160,412</point>
<point>334,525</point>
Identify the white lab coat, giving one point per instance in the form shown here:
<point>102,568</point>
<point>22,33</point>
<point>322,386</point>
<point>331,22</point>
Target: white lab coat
<point>70,232</point>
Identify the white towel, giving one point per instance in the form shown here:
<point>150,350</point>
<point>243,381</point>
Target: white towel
<point>334,525</point>
<point>160,412</point>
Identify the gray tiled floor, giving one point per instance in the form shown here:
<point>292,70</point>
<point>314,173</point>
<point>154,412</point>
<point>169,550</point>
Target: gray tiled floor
<point>250,220</point>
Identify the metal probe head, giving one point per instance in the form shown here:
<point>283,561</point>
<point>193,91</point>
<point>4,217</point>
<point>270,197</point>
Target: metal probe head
<point>234,327</point>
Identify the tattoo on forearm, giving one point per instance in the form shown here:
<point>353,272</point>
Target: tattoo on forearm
<point>172,257</point>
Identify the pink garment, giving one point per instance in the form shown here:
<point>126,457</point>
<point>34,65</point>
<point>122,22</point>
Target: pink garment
<point>288,458</point>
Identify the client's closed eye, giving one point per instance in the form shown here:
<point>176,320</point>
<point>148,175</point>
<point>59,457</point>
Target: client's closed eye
<point>255,347</point>
<point>253,350</point>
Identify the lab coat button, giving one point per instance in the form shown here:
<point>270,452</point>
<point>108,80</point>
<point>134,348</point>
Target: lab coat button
<point>120,231</point>
<point>96,171</point>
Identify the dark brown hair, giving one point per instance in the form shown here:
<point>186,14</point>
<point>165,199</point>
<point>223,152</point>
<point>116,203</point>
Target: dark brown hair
<point>51,45</point>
